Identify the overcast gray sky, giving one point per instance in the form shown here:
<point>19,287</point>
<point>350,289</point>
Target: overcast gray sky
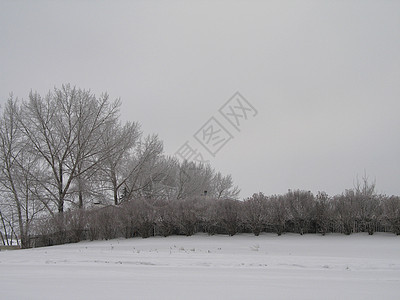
<point>324,77</point>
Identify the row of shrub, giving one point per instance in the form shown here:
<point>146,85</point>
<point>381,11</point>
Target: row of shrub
<point>297,211</point>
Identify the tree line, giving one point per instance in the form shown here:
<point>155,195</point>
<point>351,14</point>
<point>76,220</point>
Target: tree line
<point>71,170</point>
<point>356,210</point>
<point>69,151</point>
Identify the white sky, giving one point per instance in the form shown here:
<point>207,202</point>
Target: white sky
<point>323,75</point>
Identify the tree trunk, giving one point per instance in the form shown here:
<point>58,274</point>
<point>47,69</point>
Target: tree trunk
<point>60,190</point>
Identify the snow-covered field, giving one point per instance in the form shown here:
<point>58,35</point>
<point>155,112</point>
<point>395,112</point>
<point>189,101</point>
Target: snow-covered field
<point>208,267</point>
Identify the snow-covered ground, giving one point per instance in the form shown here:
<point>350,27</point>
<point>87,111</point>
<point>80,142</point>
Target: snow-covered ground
<point>208,267</point>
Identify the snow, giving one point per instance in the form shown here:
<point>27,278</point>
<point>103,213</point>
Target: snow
<point>208,267</point>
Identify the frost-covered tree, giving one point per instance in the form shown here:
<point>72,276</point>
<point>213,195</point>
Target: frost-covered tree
<point>301,209</point>
<point>142,169</point>
<point>223,187</point>
<point>64,128</point>
<point>119,141</point>
<point>323,212</point>
<point>279,213</point>
<point>391,213</point>
<point>19,173</point>
<point>367,204</point>
<point>255,213</point>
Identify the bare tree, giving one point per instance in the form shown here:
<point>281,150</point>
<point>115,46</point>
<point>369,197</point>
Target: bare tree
<point>301,208</point>
<point>64,129</point>
<point>141,171</point>
<point>279,213</point>
<point>345,211</point>
<point>391,213</point>
<point>195,179</point>
<point>367,205</point>
<point>18,171</point>
<point>323,212</point>
<point>229,212</point>
<point>119,142</point>
<point>256,213</point>
<point>223,187</point>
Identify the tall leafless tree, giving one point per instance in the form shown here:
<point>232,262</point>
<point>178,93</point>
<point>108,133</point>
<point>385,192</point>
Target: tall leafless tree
<point>19,171</point>
<point>64,128</point>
